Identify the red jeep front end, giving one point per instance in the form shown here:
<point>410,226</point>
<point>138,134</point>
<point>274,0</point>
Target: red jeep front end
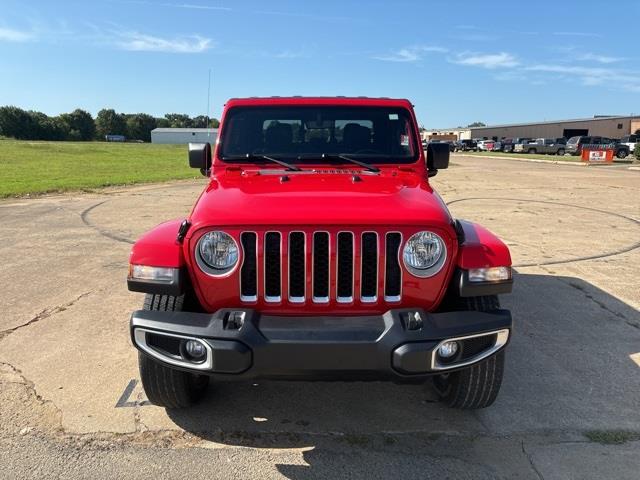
<point>319,250</point>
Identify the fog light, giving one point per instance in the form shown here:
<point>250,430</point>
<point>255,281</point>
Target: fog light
<point>195,349</point>
<point>448,349</point>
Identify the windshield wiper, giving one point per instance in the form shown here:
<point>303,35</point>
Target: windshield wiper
<point>254,156</point>
<point>327,156</point>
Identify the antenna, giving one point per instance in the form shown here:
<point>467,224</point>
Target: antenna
<point>208,104</point>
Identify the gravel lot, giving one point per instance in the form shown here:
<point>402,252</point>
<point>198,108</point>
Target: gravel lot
<point>71,404</point>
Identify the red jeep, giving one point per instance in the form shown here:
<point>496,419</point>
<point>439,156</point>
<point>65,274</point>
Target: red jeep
<point>319,251</point>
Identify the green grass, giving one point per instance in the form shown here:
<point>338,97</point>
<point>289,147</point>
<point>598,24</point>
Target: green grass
<point>41,167</point>
<point>612,437</point>
<point>539,156</point>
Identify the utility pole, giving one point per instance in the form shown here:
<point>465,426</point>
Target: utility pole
<point>208,104</point>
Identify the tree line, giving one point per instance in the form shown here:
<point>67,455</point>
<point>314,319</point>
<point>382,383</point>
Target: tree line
<point>79,125</point>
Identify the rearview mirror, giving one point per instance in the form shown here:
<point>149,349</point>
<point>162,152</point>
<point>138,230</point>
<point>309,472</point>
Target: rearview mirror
<point>437,157</point>
<point>200,157</point>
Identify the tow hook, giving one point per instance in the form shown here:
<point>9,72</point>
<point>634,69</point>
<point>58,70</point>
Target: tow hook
<point>413,321</point>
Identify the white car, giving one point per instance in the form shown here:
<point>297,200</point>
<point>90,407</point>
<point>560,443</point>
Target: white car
<point>631,141</point>
<point>489,145</point>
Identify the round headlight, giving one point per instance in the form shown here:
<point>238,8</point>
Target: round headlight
<point>424,254</point>
<point>218,251</point>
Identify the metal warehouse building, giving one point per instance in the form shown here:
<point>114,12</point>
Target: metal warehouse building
<point>446,134</point>
<point>184,135</point>
<point>603,126</point>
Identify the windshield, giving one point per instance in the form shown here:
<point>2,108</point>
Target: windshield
<point>377,134</point>
<point>573,140</point>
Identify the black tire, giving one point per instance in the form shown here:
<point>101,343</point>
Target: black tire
<point>165,386</point>
<point>531,150</point>
<point>621,154</point>
<point>476,386</point>
<point>561,151</point>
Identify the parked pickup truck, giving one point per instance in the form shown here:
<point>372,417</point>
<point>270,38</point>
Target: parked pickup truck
<point>319,250</point>
<point>620,150</point>
<point>541,145</point>
<point>508,144</point>
<point>631,141</point>
<point>466,145</point>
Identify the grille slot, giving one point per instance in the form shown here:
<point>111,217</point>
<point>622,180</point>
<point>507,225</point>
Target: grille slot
<point>272,267</point>
<point>297,274</point>
<point>249,273</point>
<point>321,267</point>
<point>345,267</point>
<point>393,272</point>
<point>369,268</point>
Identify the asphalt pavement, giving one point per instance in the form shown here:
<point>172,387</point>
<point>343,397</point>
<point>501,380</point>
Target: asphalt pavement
<point>71,404</point>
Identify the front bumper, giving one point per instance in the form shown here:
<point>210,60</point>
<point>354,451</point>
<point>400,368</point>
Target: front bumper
<point>242,343</point>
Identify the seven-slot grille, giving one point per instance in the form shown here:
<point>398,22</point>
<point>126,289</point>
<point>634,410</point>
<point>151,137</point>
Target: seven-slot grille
<point>300,266</point>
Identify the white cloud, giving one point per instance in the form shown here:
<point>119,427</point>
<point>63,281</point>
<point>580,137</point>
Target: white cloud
<point>510,75</point>
<point>193,6</point>
<point>310,16</point>
<point>486,60</point>
<point>410,54</point>
<point>578,34</point>
<point>508,67</point>
<point>475,37</point>
<point>139,42</point>
<point>11,35</point>
<point>591,76</point>
<point>289,54</point>
<point>592,57</point>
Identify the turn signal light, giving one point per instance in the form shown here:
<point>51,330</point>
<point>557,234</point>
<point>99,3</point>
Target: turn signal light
<point>493,274</point>
<point>152,274</point>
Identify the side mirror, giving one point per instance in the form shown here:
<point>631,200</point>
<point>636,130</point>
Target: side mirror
<point>200,157</point>
<point>437,157</point>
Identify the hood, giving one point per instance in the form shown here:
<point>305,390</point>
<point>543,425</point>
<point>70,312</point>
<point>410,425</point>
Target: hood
<point>319,197</point>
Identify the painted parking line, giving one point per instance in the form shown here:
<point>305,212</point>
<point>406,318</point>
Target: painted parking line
<point>124,400</point>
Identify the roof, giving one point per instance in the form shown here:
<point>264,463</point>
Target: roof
<point>361,101</point>
<point>183,130</point>
<point>450,129</point>
<point>526,124</point>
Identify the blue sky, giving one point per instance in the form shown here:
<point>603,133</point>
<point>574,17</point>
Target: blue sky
<point>458,61</point>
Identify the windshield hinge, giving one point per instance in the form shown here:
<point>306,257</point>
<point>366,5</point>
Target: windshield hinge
<point>182,231</point>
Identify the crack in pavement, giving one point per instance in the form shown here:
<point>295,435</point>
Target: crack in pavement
<point>533,466</point>
<point>46,313</point>
<point>31,388</point>
<point>601,304</point>
<point>138,423</point>
<point>439,443</point>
